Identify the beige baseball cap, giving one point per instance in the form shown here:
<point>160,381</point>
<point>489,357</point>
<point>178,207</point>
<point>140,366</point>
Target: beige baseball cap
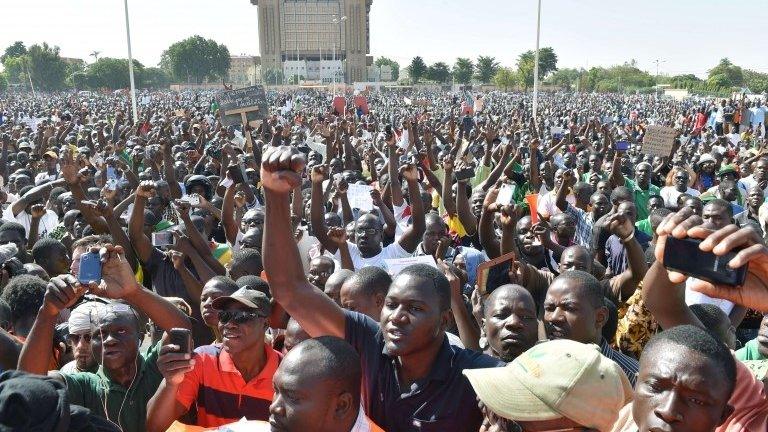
<point>555,379</point>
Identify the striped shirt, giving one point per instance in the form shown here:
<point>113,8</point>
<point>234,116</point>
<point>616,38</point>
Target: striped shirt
<point>220,392</point>
<point>629,365</point>
<point>584,225</point>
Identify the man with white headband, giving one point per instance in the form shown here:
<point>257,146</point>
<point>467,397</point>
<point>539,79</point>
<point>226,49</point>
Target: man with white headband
<point>80,326</point>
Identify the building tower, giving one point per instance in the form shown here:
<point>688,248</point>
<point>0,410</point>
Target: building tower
<point>315,39</point>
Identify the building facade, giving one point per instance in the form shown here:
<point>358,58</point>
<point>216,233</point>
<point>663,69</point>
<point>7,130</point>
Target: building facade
<point>300,40</point>
<point>244,71</point>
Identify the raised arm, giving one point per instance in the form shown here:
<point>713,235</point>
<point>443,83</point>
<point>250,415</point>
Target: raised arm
<point>447,195</point>
<point>317,313</point>
<point>488,238</point>
<point>228,215</point>
<point>141,243</point>
<point>413,234</point>
<point>616,177</point>
<point>317,209</point>
<point>625,284</point>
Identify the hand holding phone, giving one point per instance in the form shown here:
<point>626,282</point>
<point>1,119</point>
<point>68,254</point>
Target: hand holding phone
<point>90,268</point>
<point>182,338</point>
<point>685,256</point>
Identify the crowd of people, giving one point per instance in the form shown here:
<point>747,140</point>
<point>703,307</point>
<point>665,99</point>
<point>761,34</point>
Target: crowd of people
<point>405,260</point>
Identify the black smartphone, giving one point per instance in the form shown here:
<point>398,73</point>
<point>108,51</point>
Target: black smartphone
<point>684,256</point>
<point>464,174</point>
<point>235,173</point>
<point>90,268</point>
<point>181,337</point>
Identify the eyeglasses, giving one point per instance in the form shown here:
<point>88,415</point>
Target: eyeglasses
<point>237,317</point>
<point>369,231</point>
<point>74,339</point>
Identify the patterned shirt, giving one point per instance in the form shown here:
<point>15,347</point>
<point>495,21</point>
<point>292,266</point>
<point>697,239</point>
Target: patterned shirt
<point>584,224</point>
<point>629,365</point>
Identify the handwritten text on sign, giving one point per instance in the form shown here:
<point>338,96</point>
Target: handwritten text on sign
<point>251,100</point>
<point>658,140</point>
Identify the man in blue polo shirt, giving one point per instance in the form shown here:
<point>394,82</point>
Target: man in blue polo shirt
<point>411,374</point>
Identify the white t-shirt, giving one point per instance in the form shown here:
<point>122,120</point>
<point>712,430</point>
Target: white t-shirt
<point>47,222</point>
<point>392,251</point>
<point>547,205</point>
<point>670,195</point>
<point>694,297</point>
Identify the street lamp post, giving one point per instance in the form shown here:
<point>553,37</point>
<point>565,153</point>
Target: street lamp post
<point>536,65</point>
<point>130,64</point>
<point>337,21</point>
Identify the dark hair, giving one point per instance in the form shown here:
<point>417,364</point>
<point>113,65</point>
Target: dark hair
<point>658,197</point>
<point>14,226</point>
<point>44,250</point>
<point>24,295</point>
<point>229,285</point>
<point>254,282</point>
<point>333,359</point>
<point>590,283</point>
<point>5,314</point>
<point>247,257</point>
<point>372,280</point>
<point>621,193</point>
<point>714,320</point>
<point>657,216</point>
<point>697,339</point>
<point>717,202</point>
<point>439,282</point>
<point>326,260</point>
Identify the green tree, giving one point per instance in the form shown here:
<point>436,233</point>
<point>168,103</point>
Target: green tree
<point>505,78</point>
<point>719,81</point>
<point>383,61</point>
<point>756,81</point>
<point>196,59</point>
<point>46,67</point>
<point>155,78</point>
<point>16,50</point>
<point>564,78</point>
<point>439,73</point>
<point>16,69</point>
<point>526,60</point>
<point>486,69</point>
<point>273,76</point>
<point>463,70</point>
<point>113,73</point>
<point>417,69</point>
<point>733,75</point>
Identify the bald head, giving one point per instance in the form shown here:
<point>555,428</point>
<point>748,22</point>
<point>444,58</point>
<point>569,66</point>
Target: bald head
<point>325,359</point>
<point>334,283</point>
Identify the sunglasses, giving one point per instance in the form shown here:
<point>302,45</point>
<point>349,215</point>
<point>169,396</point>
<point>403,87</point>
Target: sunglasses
<point>74,339</point>
<point>238,317</point>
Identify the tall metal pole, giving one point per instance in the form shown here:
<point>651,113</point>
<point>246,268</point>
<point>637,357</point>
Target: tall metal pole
<point>130,64</point>
<point>536,65</point>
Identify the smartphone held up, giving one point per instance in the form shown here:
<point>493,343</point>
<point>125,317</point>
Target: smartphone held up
<point>684,256</point>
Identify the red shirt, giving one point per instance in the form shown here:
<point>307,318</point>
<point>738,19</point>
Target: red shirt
<point>220,392</point>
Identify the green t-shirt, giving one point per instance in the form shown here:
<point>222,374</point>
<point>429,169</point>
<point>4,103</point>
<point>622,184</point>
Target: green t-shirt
<point>750,352</point>
<point>88,390</point>
<point>641,196</point>
<point>585,176</point>
<point>644,226</point>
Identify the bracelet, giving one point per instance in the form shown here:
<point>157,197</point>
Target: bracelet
<point>629,237</point>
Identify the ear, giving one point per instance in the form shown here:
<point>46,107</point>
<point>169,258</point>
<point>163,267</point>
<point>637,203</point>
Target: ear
<point>343,406</point>
<point>445,319</point>
<point>379,299</point>
<point>601,317</point>
<point>727,411</point>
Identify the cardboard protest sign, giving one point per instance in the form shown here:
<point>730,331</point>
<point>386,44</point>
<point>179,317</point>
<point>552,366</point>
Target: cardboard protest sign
<point>241,105</point>
<point>359,197</point>
<point>362,103</point>
<point>339,104</point>
<point>658,140</point>
<point>396,265</point>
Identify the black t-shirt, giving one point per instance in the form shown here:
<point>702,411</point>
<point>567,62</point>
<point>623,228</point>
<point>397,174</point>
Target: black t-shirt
<point>443,401</point>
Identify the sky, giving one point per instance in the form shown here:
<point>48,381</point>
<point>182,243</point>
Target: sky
<point>685,35</point>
